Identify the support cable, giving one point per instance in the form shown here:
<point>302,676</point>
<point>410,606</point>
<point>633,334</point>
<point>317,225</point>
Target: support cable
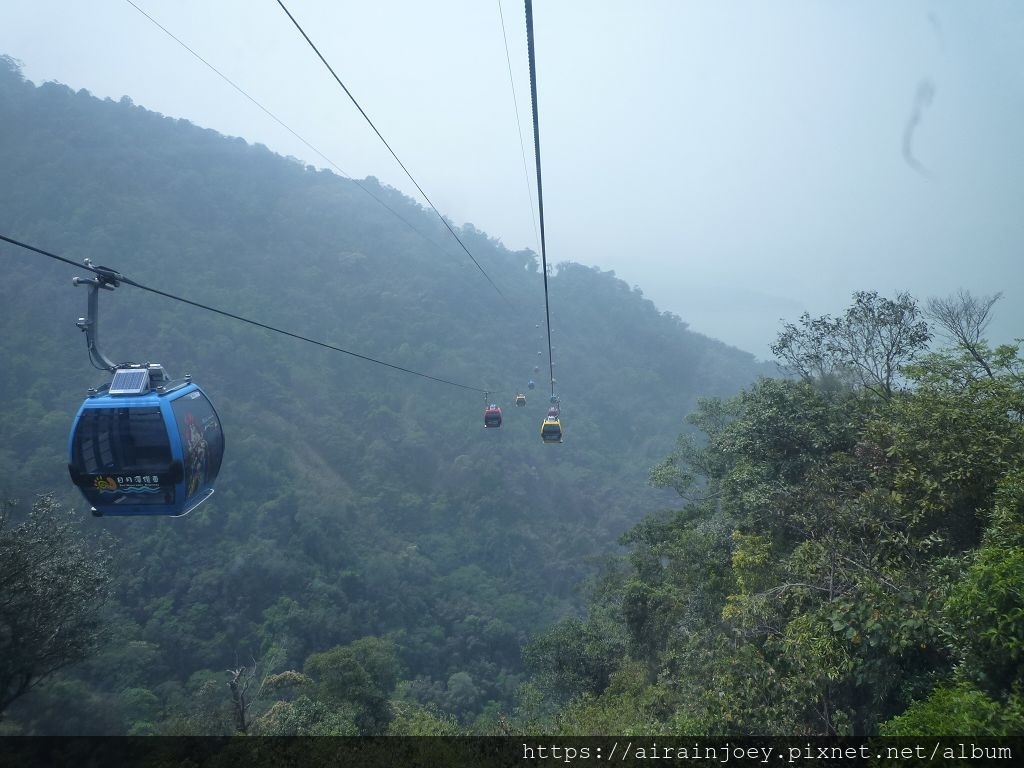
<point>519,124</point>
<point>110,274</point>
<point>540,188</point>
<point>280,122</point>
<point>381,137</point>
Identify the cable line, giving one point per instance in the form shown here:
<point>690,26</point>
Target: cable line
<point>280,122</point>
<point>540,189</point>
<point>381,137</point>
<point>117,276</point>
<point>519,123</point>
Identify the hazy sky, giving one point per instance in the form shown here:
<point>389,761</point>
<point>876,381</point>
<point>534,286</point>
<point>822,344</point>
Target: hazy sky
<point>740,162</point>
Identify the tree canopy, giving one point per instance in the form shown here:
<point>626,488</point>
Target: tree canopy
<point>847,561</point>
<point>53,587</point>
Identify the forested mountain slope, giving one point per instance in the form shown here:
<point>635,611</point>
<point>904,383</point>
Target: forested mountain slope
<point>847,558</point>
<point>355,501</point>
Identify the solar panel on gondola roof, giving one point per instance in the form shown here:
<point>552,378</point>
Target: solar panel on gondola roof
<point>129,382</point>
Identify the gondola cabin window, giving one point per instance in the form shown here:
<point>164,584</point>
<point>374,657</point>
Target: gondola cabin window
<point>128,451</point>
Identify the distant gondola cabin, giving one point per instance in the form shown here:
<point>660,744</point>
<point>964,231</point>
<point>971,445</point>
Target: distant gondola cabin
<point>492,416</point>
<point>145,446</point>
<point>551,430</point>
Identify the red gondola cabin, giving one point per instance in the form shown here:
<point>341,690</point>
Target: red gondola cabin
<point>492,416</point>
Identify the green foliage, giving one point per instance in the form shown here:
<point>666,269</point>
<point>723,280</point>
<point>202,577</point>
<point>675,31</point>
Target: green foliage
<point>629,706</point>
<point>870,344</point>
<point>361,674</point>
<point>286,680</point>
<point>413,719</point>
<point>987,607</point>
<point>958,711</point>
<point>308,717</point>
<point>142,706</point>
<point>575,657</point>
<point>849,560</point>
<point>679,578</point>
<point>53,586</point>
<point>945,450</point>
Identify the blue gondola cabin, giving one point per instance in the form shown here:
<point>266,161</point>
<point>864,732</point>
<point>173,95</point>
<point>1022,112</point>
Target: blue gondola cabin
<point>143,445</point>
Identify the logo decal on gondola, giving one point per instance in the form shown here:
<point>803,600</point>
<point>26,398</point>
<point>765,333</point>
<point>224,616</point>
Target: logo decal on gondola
<point>127,484</point>
<point>138,479</point>
<point>105,484</point>
<point>139,483</point>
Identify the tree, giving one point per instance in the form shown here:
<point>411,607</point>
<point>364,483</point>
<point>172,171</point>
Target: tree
<point>53,586</point>
<point>984,624</point>
<point>362,675</point>
<point>873,340</point>
<point>238,683</point>
<point>965,319</point>
<point>575,656</point>
<point>808,349</point>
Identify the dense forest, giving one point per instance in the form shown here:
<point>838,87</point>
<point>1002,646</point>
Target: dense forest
<point>848,558</point>
<point>717,547</point>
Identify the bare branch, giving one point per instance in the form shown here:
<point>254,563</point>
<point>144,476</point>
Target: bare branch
<point>964,318</point>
